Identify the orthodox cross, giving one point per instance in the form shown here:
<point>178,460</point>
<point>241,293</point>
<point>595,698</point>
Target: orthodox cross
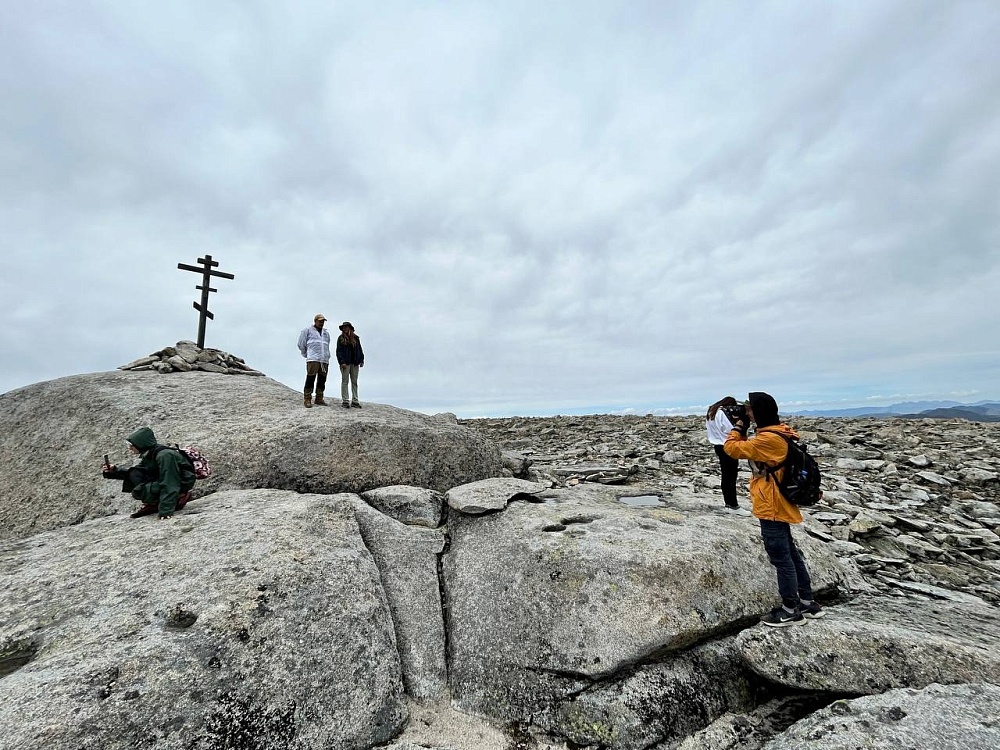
<point>207,273</point>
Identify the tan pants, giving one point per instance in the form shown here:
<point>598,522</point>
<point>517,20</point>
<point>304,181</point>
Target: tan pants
<point>349,372</point>
<point>315,373</point>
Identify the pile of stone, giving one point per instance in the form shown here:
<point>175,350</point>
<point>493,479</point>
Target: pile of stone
<point>915,504</point>
<point>186,356</point>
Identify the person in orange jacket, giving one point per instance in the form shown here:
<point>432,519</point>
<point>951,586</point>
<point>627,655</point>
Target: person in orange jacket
<point>766,451</point>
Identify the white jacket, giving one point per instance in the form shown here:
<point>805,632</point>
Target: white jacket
<point>315,345</point>
<point>718,428</point>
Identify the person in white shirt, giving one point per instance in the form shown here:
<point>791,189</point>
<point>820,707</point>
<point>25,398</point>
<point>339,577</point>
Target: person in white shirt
<point>314,345</point>
<point>719,425</point>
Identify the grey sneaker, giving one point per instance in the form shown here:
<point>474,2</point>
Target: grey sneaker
<point>779,617</point>
<point>812,610</point>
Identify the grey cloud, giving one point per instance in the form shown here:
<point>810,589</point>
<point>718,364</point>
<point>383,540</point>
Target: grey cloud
<point>521,208</point>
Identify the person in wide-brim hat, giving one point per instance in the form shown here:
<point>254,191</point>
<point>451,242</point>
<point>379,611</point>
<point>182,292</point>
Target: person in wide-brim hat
<point>351,358</point>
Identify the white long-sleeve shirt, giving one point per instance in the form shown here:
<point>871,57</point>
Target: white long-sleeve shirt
<point>315,344</point>
<point>718,428</point>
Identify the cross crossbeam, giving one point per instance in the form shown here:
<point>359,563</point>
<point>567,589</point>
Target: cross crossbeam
<point>207,271</point>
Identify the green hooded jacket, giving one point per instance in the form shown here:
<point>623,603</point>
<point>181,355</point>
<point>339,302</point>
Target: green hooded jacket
<point>172,474</point>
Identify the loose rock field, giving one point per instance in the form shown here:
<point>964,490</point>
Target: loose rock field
<point>914,503</point>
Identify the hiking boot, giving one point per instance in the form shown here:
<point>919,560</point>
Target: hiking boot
<point>812,610</point>
<point>145,510</point>
<point>319,400</point>
<point>779,617</point>
<point>308,401</point>
<point>355,404</point>
<point>346,404</point>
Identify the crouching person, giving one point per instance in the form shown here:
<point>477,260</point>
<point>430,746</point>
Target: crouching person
<point>161,481</point>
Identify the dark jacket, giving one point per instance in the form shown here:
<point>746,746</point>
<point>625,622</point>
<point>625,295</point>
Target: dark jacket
<point>350,354</point>
<point>168,473</point>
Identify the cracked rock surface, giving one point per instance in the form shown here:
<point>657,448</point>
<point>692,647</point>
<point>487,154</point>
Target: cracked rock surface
<point>380,579</point>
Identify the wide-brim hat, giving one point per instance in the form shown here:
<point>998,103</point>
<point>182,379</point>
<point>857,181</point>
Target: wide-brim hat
<point>346,324</point>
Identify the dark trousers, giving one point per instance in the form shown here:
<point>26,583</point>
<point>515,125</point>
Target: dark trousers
<point>793,577</point>
<point>316,373</point>
<point>730,469</point>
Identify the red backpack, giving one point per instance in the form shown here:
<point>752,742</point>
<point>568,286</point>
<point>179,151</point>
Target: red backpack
<point>202,468</point>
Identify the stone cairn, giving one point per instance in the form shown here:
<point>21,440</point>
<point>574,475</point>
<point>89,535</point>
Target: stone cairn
<point>186,356</point>
<point>915,503</point>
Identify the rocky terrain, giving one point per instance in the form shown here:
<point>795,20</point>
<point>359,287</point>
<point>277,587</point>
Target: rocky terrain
<point>382,579</point>
<point>915,504</point>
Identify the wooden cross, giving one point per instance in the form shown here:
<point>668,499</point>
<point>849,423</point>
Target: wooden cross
<point>207,274</point>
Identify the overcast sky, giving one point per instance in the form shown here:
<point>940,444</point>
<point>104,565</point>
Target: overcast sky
<point>523,207</point>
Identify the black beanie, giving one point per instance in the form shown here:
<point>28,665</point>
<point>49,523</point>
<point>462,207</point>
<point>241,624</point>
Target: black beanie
<point>765,409</point>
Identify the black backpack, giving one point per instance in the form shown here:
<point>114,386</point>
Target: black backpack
<point>800,483</point>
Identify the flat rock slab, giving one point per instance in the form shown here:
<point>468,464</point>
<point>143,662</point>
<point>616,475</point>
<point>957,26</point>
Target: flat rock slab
<point>490,494</point>
<point>254,431</point>
<point>964,717</point>
<point>260,614</point>
<point>875,644</point>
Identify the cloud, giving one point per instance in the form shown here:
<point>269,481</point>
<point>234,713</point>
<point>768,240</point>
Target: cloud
<point>523,209</point>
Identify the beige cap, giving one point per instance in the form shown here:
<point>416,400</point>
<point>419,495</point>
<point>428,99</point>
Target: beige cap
<point>318,317</point>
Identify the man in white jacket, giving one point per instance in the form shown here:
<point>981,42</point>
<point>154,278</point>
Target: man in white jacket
<point>314,344</point>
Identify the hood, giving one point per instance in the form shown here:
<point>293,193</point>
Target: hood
<point>143,439</point>
<point>765,409</point>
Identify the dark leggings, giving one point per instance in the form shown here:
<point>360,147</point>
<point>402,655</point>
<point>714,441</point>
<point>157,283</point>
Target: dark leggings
<point>730,469</point>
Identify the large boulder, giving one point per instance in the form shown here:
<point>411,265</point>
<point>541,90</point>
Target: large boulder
<point>253,430</point>
<point>258,615</point>
<point>874,644</point>
<point>658,702</point>
<point>939,716</point>
<point>489,495</point>
<point>548,597</point>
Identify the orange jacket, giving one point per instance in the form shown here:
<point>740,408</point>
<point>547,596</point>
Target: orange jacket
<point>766,447</point>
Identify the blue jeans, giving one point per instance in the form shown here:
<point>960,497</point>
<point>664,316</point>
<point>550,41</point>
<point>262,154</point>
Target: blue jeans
<point>793,577</point>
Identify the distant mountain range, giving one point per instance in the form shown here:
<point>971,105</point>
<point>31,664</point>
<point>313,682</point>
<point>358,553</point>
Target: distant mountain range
<point>981,411</point>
